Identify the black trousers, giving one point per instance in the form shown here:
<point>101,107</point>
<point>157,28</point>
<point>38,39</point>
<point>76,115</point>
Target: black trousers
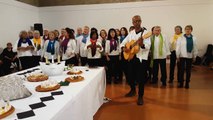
<point>26,62</point>
<point>6,66</point>
<point>184,64</point>
<point>137,74</point>
<point>123,67</point>
<point>72,60</point>
<point>149,70</point>
<point>94,62</point>
<point>36,60</point>
<point>17,63</point>
<point>103,61</point>
<point>178,69</point>
<point>83,61</point>
<point>113,66</point>
<point>77,60</point>
<point>1,70</point>
<point>172,65</point>
<point>162,64</point>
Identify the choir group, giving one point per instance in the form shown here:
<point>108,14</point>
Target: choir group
<point>109,49</point>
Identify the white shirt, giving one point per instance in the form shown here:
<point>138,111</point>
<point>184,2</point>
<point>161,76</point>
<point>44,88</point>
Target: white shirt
<point>44,37</point>
<point>100,39</point>
<point>166,50</point>
<point>114,52</point>
<point>89,50</point>
<point>49,55</point>
<point>181,48</point>
<point>38,52</point>
<point>70,52</point>
<point>143,53</point>
<point>22,53</point>
<point>80,46</point>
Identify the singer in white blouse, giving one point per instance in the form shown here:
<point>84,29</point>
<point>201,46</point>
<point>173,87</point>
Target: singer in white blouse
<point>51,47</point>
<point>186,51</point>
<point>81,43</point>
<point>160,51</point>
<point>112,49</point>
<point>173,42</point>
<point>94,49</point>
<point>68,47</point>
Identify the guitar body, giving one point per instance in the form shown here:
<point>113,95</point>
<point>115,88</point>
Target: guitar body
<point>134,50</point>
<point>134,47</point>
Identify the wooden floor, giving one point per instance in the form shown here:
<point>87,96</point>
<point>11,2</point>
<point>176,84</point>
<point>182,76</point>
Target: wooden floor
<point>170,103</point>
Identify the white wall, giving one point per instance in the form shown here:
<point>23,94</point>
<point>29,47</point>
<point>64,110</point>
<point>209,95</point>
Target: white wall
<point>164,13</point>
<point>14,17</point>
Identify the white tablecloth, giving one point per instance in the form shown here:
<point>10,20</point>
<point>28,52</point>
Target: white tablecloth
<point>80,100</point>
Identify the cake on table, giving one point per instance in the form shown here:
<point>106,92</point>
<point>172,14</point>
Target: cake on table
<point>5,109</point>
<point>47,86</point>
<point>37,77</point>
<point>74,71</point>
<point>74,78</point>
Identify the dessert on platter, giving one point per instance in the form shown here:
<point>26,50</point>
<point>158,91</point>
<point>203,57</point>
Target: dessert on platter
<point>5,109</point>
<point>46,86</point>
<point>74,71</point>
<point>37,77</point>
<point>75,78</point>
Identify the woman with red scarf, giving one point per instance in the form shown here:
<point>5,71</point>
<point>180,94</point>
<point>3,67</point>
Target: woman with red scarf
<point>112,55</point>
<point>94,49</point>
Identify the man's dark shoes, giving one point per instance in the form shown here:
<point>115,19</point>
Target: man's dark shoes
<point>187,86</point>
<point>140,101</point>
<point>131,93</point>
<point>180,85</point>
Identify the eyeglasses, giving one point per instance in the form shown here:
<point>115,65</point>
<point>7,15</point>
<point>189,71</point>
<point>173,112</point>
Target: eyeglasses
<point>137,21</point>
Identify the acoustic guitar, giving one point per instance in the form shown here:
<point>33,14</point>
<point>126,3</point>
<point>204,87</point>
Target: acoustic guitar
<point>133,47</point>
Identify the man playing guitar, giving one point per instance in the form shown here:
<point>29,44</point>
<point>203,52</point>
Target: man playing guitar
<point>137,66</point>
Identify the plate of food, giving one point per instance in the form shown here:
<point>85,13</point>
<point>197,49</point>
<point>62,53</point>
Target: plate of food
<point>37,77</point>
<point>47,86</point>
<point>6,109</point>
<point>75,78</point>
<point>74,72</point>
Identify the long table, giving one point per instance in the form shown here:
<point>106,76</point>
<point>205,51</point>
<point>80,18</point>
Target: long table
<point>78,101</point>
